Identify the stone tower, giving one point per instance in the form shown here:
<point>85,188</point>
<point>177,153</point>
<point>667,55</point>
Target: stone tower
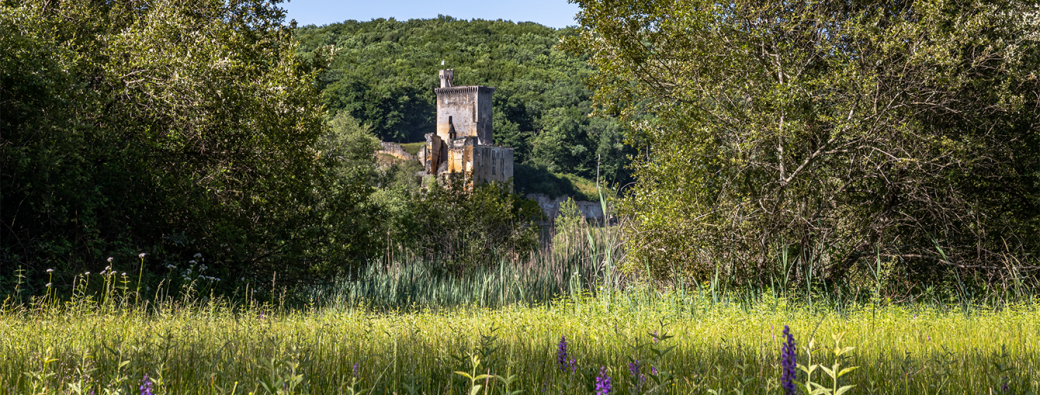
<point>467,108</point>
<point>464,137</point>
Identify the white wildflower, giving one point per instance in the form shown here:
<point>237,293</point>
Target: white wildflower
<point>50,270</point>
<point>141,255</point>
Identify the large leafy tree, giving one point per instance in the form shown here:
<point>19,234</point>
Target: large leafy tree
<point>831,132</point>
<point>169,127</point>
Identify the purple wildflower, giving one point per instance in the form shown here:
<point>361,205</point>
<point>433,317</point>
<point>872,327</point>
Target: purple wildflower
<point>146,385</point>
<point>653,370</point>
<point>788,363</point>
<point>603,386</point>
<point>561,353</point>
<point>1004,387</point>
<point>574,365</point>
<point>655,336</point>
<point>637,377</point>
<point>355,370</point>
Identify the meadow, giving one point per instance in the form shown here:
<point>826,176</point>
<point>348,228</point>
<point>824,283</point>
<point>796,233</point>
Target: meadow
<point>636,340</point>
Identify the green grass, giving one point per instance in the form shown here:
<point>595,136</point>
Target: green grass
<point>413,148</point>
<point>219,348</point>
<point>410,329</point>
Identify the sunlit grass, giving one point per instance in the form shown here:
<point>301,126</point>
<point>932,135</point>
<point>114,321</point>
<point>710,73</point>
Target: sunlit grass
<point>216,347</point>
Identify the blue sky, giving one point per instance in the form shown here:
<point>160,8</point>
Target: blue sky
<point>552,13</point>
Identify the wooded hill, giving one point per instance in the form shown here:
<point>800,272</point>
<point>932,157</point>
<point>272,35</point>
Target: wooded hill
<point>385,70</point>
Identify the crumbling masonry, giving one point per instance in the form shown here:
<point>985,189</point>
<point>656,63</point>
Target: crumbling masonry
<point>463,141</point>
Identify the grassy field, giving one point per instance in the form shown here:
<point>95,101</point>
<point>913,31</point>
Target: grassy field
<point>213,347</point>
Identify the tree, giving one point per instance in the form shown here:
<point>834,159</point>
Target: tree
<point>168,127</point>
<point>831,132</point>
<point>463,228</point>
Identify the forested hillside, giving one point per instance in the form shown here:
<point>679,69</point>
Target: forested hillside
<point>384,73</point>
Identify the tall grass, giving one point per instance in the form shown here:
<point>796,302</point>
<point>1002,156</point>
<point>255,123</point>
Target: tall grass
<point>188,346</point>
<point>576,258</point>
<point>406,327</point>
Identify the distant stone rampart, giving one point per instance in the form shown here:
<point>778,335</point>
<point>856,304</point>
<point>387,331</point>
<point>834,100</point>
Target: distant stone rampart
<point>551,207</point>
<point>395,150</point>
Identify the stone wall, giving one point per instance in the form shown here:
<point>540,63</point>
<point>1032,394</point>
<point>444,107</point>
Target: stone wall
<point>491,163</point>
<point>593,211</point>
<point>394,150</point>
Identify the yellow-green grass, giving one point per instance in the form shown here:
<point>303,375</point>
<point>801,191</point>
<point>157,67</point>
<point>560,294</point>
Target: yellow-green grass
<point>214,348</point>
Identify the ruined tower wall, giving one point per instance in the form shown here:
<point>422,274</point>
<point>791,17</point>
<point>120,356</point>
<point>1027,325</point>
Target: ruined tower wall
<point>492,163</point>
<point>469,108</point>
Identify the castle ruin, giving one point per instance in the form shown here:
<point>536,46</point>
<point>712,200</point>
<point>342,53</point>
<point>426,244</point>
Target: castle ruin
<point>463,142</point>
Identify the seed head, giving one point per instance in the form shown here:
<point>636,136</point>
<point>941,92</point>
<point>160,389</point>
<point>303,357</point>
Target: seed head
<point>141,255</point>
<point>109,259</point>
<point>50,270</point>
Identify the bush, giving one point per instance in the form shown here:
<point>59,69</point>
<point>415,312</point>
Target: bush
<point>461,228</point>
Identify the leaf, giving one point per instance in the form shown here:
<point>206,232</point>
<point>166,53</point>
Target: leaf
<point>464,374</point>
<point>846,370</point>
<point>843,389</point>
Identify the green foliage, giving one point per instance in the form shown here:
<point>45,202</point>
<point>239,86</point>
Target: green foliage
<point>384,73</point>
<point>167,127</point>
<point>831,133</point>
<point>465,228</point>
<point>538,179</point>
<point>346,230</point>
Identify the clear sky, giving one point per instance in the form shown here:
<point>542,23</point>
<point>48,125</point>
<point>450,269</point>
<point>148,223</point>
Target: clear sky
<point>552,13</point>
